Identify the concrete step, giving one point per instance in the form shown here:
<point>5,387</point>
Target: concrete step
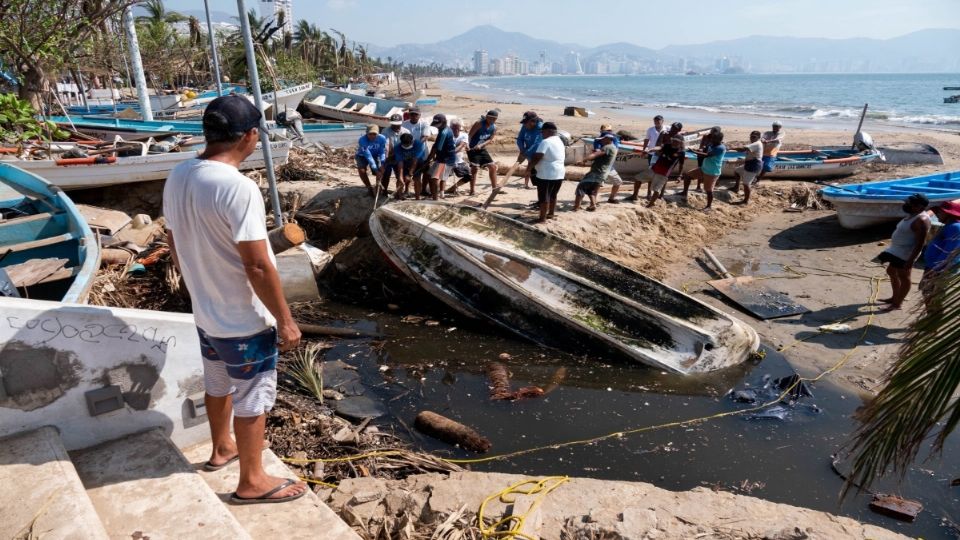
<point>142,486</point>
<point>306,517</point>
<point>42,496</point>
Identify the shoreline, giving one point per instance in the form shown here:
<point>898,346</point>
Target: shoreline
<point>693,114</point>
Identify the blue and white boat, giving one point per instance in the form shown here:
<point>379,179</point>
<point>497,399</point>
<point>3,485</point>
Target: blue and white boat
<point>335,135</point>
<point>817,163</point>
<point>872,203</point>
<point>47,250</point>
<point>347,107</point>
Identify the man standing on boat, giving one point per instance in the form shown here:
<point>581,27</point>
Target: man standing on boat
<point>217,233</point>
<point>481,135</point>
<point>772,140</point>
<point>443,156</point>
<point>420,129</point>
<point>371,153</point>
<point>528,139</point>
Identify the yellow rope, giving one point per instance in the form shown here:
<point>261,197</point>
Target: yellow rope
<point>510,526</point>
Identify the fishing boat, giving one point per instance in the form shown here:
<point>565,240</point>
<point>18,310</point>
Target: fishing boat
<point>335,135</point>
<point>872,203</point>
<point>815,163</point>
<point>631,161</point>
<point>554,292</point>
<point>102,170</point>
<point>286,99</point>
<point>47,250</point>
<point>347,107</point>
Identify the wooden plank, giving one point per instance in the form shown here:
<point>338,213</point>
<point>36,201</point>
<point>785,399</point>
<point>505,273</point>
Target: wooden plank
<point>26,219</point>
<point>103,219</point>
<point>24,246</point>
<point>34,271</point>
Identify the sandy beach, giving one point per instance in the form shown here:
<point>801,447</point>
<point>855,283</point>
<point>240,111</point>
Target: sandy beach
<point>806,255</point>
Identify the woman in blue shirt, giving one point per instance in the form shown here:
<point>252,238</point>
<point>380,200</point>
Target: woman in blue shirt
<point>709,171</point>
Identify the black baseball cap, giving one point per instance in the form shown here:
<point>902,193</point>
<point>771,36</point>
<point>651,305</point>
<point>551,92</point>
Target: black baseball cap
<point>438,119</point>
<point>549,125</point>
<point>413,110</point>
<point>231,113</point>
<point>493,112</point>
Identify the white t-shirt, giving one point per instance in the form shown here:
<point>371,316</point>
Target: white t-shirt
<point>551,166</point>
<point>420,130</point>
<point>754,150</point>
<point>464,138</point>
<point>653,136</point>
<point>210,207</point>
<point>772,148</point>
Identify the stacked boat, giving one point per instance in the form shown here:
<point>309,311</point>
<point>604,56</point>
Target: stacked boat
<point>348,107</point>
<point>335,135</point>
<point>112,164</point>
<point>873,203</point>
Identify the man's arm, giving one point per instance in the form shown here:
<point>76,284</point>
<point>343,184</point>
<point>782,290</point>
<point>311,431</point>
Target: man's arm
<point>265,280</point>
<point>532,164</point>
<point>173,251</point>
<point>920,228</point>
<point>473,131</point>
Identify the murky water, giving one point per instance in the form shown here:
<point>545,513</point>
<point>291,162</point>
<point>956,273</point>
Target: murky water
<point>441,368</point>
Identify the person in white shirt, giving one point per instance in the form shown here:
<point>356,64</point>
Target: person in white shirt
<point>392,134</point>
<point>547,170</point>
<point>772,141</point>
<point>419,128</point>
<point>751,165</point>
<point>651,140</point>
<point>460,169</point>
<point>216,229</point>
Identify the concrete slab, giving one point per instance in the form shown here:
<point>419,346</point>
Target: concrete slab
<point>42,492</point>
<point>142,486</point>
<point>305,517</point>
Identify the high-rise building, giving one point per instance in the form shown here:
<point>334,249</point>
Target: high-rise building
<point>481,62</point>
<point>270,11</point>
<point>573,63</point>
<point>496,67</point>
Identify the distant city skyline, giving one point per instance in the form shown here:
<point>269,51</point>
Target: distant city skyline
<point>381,23</point>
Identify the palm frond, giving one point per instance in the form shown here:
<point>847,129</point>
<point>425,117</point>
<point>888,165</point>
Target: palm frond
<point>306,370</point>
<point>920,392</point>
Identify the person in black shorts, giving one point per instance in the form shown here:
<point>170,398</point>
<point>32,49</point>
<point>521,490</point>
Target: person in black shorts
<point>481,135</point>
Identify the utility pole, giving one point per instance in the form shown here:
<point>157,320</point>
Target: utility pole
<point>213,50</point>
<point>258,101</point>
<point>137,65</point>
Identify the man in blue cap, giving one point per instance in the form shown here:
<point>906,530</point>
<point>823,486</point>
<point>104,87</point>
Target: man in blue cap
<point>216,228</point>
<point>528,139</point>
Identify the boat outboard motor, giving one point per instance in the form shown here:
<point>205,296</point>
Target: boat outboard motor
<point>863,141</point>
<point>293,121</point>
<point>565,137</point>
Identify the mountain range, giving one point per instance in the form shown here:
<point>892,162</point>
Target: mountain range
<point>921,51</point>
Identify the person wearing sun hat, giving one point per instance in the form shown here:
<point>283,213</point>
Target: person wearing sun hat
<point>941,254</point>
<point>371,153</point>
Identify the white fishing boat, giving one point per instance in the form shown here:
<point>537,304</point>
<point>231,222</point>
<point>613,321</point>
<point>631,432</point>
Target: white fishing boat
<point>554,292</point>
<point>101,171</point>
<point>873,203</point>
<point>286,99</point>
<point>347,107</point>
<point>816,163</point>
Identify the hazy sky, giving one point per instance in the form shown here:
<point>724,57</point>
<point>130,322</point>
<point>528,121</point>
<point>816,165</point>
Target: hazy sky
<point>645,23</point>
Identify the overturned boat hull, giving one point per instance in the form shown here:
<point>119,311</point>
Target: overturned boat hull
<point>554,292</point>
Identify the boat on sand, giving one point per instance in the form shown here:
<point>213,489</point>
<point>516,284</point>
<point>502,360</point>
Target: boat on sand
<point>347,107</point>
<point>872,203</point>
<point>47,250</point>
<point>554,292</point>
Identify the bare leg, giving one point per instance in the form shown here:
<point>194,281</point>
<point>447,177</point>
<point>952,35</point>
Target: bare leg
<point>366,180</point>
<point>434,189</point>
<point>904,287</point>
<point>708,183</point>
<point>254,481</point>
<point>552,207</point>
<point>219,411</point>
<point>492,168</point>
<point>746,193</point>
<point>577,200</point>
<point>613,193</point>
<point>417,186</point>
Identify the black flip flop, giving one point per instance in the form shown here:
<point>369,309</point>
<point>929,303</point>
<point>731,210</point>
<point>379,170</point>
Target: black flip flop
<point>210,467</point>
<point>265,498</point>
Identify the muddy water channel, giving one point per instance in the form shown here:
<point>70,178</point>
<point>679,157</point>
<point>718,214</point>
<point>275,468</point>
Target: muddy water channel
<point>782,454</point>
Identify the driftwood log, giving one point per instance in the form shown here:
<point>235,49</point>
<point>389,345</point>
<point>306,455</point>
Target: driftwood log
<point>286,237</point>
<point>451,431</point>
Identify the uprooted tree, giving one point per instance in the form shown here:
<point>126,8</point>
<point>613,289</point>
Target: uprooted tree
<point>38,37</point>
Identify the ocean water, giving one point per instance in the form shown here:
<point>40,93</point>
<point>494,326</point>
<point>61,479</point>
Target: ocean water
<point>897,99</point>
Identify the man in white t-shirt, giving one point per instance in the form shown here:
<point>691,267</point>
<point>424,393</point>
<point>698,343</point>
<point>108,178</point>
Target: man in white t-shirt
<point>751,167</point>
<point>216,229</point>
<point>419,128</point>
<point>547,170</point>
<point>460,169</point>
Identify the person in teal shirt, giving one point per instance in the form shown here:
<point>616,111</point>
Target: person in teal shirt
<point>709,172</point>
